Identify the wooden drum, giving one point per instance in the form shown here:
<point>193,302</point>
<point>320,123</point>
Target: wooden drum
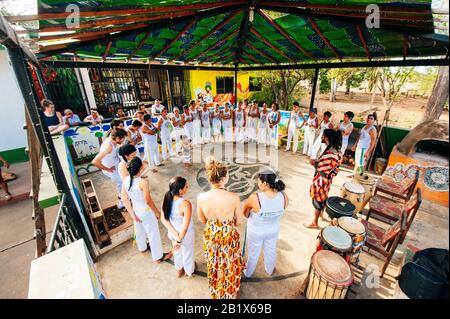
<point>357,232</point>
<point>329,276</point>
<point>337,240</point>
<point>368,183</point>
<point>355,193</point>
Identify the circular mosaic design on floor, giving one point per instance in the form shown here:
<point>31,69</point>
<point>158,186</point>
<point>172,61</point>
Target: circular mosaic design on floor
<point>243,178</point>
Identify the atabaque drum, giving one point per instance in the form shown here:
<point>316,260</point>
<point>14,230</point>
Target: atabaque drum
<point>368,182</point>
<point>355,194</point>
<point>339,207</point>
<point>335,239</point>
<point>329,276</point>
<point>357,232</point>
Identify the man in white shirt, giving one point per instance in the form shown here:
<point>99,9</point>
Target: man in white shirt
<point>70,119</point>
<point>95,118</point>
<point>157,108</point>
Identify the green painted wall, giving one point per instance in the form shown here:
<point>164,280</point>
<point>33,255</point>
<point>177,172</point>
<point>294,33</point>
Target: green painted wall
<point>17,155</point>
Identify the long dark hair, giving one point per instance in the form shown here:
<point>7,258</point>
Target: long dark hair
<point>126,150</point>
<point>271,179</point>
<point>133,167</point>
<point>335,139</point>
<point>175,185</point>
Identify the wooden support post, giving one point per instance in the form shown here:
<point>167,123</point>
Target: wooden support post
<point>235,86</point>
<point>314,88</point>
<point>34,154</point>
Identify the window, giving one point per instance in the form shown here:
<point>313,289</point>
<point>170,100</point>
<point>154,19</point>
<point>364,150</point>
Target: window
<point>255,84</point>
<point>225,84</point>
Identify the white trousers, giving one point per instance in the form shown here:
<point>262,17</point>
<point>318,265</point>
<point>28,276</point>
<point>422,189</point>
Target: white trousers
<point>197,132</point>
<point>262,135</point>
<point>184,257</point>
<point>251,128</point>
<point>228,131</point>
<point>206,134</point>
<point>178,133</point>
<point>217,126</point>
<point>344,144</point>
<point>115,177</point>
<point>166,145</point>
<point>239,133</point>
<point>189,130</point>
<point>360,160</point>
<point>318,147</point>
<point>256,242</point>
<point>273,136</point>
<point>151,153</point>
<point>148,229</point>
<point>292,134</point>
<point>308,143</point>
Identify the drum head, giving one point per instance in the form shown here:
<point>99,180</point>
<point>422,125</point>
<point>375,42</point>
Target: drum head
<point>341,206</point>
<point>351,225</point>
<point>354,188</point>
<point>365,179</point>
<point>337,237</point>
<point>332,267</point>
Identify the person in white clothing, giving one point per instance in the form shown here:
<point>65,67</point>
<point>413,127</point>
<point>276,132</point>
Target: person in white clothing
<point>133,133</point>
<point>187,122</point>
<point>216,115</point>
<point>310,132</point>
<point>252,122</point>
<point>107,160</point>
<point>346,127</point>
<point>178,219</point>
<point>274,119</point>
<point>177,123</point>
<point>205,116</point>
<point>365,144</point>
<point>166,141</point>
<point>156,108</point>
<point>196,124</point>
<point>145,214</point>
<point>149,134</point>
<point>227,123</point>
<point>294,127</point>
<point>264,210</point>
<point>263,125</point>
<point>127,152</point>
<point>319,146</point>
<point>239,123</point>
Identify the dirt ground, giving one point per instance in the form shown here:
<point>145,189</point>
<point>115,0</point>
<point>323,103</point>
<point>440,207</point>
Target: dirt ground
<point>405,113</point>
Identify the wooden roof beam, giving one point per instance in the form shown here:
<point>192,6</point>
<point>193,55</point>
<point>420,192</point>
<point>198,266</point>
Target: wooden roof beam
<point>244,54</point>
<point>363,41</point>
<point>108,48</point>
<point>285,34</point>
<point>324,38</point>
<point>261,53</point>
<point>259,36</point>
<point>215,29</point>
<point>218,54</point>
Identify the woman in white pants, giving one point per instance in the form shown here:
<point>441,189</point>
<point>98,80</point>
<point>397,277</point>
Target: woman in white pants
<point>205,116</point>
<point>252,122</point>
<point>178,220</point>
<point>143,210</point>
<point>310,132</point>
<point>274,119</point>
<point>149,134</point>
<point>187,122</point>
<point>196,124</point>
<point>166,140</point>
<point>293,127</point>
<point>264,210</point>
<point>319,146</point>
<point>177,123</point>
<point>263,125</point>
<point>346,127</point>
<point>239,124</point>
<point>227,123</point>
<point>216,123</point>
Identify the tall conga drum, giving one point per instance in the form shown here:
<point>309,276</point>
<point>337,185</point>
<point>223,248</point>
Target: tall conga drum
<point>355,193</point>
<point>329,276</point>
<point>338,207</point>
<point>337,240</point>
<point>357,232</point>
<point>368,183</point>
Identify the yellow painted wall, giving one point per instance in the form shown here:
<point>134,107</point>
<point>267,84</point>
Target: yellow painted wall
<point>198,80</point>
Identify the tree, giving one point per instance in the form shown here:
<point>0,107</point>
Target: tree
<point>351,77</point>
<point>438,97</point>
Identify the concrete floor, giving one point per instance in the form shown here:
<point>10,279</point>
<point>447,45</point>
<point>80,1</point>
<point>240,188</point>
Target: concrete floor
<point>126,273</point>
<point>17,245</point>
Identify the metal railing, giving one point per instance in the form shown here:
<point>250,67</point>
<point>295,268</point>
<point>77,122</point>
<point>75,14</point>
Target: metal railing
<point>63,234</point>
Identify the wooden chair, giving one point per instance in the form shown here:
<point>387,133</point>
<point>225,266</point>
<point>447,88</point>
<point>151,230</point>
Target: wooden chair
<point>385,242</point>
<point>398,191</point>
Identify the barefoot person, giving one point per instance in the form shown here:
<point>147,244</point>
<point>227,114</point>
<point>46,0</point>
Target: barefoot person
<point>3,183</point>
<point>294,128</point>
<point>166,140</point>
<point>365,144</point>
<point>143,210</point>
<point>187,119</point>
<point>178,220</point>
<point>53,119</point>
<point>327,167</point>
<point>264,210</point>
<point>177,123</point>
<point>107,160</point>
<point>149,134</point>
<point>220,210</point>
<point>216,123</point>
<point>274,119</point>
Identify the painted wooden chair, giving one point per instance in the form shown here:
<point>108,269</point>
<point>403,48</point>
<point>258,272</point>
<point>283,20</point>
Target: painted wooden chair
<point>401,191</point>
<point>385,242</point>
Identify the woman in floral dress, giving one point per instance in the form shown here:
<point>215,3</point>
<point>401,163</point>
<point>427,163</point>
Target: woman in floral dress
<point>220,211</point>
